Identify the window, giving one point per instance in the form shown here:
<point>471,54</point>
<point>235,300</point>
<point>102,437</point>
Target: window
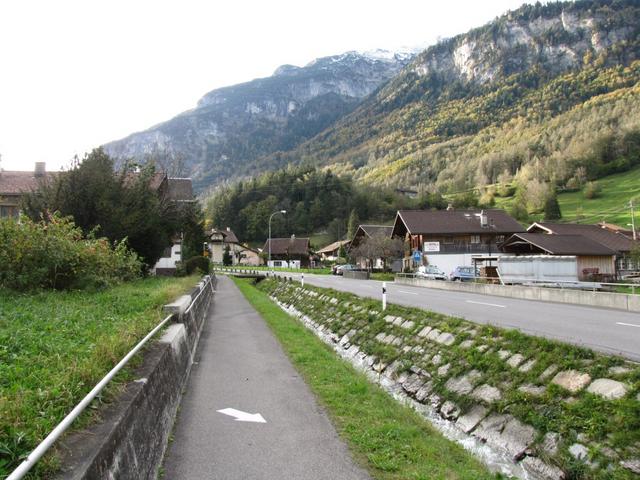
<point>499,238</point>
<point>475,238</point>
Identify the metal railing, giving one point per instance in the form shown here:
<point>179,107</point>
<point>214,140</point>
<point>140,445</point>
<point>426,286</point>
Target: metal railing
<point>197,304</point>
<point>548,283</point>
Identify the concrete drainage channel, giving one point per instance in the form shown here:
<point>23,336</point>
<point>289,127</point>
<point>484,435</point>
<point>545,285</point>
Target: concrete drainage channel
<point>130,440</point>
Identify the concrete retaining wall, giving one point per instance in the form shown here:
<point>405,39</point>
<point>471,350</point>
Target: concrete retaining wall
<point>619,301</point>
<point>130,440</point>
<point>357,274</point>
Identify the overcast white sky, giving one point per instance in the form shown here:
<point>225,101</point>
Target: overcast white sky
<point>77,74</point>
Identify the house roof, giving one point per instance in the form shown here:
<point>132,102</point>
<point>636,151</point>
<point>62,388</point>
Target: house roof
<point>155,181</point>
<point>449,222</point>
<point>616,241</point>
<point>560,244</point>
<point>371,230</point>
<point>16,183</point>
<point>228,235</point>
<point>291,246</point>
<point>333,246</point>
<point>180,189</point>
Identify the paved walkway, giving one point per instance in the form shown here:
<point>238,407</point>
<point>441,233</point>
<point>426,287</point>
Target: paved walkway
<point>240,365</point>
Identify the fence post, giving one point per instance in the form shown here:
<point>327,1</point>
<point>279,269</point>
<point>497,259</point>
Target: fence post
<point>384,296</point>
<point>302,281</point>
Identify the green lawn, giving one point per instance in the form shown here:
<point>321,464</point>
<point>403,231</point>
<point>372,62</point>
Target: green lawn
<point>391,441</point>
<point>610,206</point>
<point>55,346</point>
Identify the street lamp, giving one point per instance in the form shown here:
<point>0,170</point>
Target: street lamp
<point>274,213</point>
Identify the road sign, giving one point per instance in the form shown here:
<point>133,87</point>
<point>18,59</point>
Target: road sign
<point>417,256</point>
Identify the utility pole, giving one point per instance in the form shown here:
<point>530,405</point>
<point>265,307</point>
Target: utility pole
<point>633,221</point>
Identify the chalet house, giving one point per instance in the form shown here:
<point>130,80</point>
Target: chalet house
<point>611,236</point>
<point>451,238</point>
<point>219,240</point>
<point>363,233</point>
<point>595,261</point>
<point>288,252</point>
<point>331,252</point>
<point>14,184</point>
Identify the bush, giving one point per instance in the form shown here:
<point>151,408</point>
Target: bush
<point>54,254</point>
<point>592,190</point>
<point>197,263</point>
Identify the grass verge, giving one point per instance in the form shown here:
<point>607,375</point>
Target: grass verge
<point>391,441</point>
<point>55,346</point>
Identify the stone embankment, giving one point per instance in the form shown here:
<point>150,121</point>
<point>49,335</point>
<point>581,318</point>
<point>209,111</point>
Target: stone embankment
<point>555,411</point>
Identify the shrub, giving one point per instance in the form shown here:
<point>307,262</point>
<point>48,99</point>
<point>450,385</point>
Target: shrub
<point>55,254</point>
<point>197,263</point>
<point>592,190</point>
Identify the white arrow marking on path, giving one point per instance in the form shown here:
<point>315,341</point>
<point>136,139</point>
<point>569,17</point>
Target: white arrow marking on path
<point>243,416</point>
<point>628,324</point>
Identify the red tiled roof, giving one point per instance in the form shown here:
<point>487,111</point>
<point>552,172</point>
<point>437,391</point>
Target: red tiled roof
<point>16,183</point>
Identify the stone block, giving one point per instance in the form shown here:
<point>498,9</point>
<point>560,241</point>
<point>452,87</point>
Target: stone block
<point>504,354</point>
<point>443,370</point>
<point>466,344</point>
<point>472,418</point>
<point>572,380</point>
<point>433,334</point>
<point>449,410</point>
<point>515,360</point>
<point>446,338</point>
<point>530,389</point>
<point>608,389</point>
<point>408,325</point>
<point>550,370</point>
<point>464,384</point>
<point>541,469</point>
<point>579,451</point>
<point>527,366</point>
<point>425,331</point>
<point>487,393</point>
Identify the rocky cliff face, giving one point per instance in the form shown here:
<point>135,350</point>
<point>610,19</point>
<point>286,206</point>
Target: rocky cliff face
<point>232,126</point>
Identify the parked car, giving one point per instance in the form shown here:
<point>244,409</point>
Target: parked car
<point>430,272</point>
<point>340,269</point>
<point>463,273</point>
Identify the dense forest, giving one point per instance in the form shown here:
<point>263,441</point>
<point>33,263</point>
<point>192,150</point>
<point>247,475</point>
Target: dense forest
<point>314,199</point>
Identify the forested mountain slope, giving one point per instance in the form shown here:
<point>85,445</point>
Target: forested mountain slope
<point>554,87</point>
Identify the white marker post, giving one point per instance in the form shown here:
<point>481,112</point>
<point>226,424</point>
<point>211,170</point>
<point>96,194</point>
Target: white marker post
<point>384,296</point>
<point>302,281</point>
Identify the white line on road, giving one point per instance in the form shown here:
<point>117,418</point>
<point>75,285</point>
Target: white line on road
<point>628,324</point>
<point>488,304</point>
<point>409,293</point>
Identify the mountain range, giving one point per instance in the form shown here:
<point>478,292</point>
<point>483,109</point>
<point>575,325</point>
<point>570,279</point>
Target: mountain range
<point>544,83</point>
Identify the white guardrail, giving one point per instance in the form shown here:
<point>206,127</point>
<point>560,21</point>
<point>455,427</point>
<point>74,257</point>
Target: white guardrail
<point>549,283</point>
<point>57,432</point>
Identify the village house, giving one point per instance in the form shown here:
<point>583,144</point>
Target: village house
<point>221,240</point>
<point>288,252</point>
<point>451,238</point>
<point>331,252</point>
<point>15,184</point>
<point>595,261</point>
<point>615,238</point>
<point>363,233</point>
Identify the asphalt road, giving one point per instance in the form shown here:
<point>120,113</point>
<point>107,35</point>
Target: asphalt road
<point>606,330</point>
<point>241,365</point>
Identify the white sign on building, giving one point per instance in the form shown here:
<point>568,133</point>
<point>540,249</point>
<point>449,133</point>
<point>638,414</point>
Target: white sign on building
<point>431,246</point>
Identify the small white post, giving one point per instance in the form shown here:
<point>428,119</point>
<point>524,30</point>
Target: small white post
<point>384,296</point>
<point>302,280</point>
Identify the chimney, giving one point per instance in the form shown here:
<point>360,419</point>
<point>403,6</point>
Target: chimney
<point>40,169</point>
<point>483,219</point>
